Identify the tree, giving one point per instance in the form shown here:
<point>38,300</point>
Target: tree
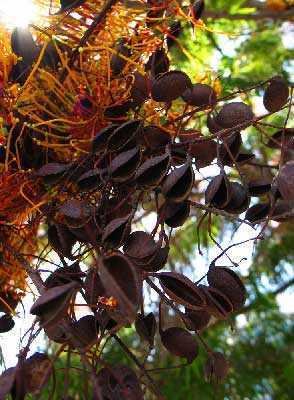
<point>107,119</point>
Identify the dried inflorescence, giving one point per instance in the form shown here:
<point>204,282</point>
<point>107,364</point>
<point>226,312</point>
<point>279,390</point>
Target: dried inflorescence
<point>98,127</point>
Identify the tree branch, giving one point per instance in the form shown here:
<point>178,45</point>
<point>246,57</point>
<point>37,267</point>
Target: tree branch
<point>264,14</point>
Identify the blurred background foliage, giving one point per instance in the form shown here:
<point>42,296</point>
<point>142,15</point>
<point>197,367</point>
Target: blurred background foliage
<point>241,48</point>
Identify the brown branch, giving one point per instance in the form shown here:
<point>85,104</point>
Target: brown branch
<point>266,14</point>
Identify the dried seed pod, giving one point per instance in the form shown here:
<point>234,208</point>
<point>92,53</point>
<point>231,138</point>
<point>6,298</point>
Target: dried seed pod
<point>199,319</point>
<point>158,63</point>
<point>121,281</point>
<point>123,167</point>
<point>230,148</point>
<point>173,33</point>
<point>37,371</point>
<point>53,172</point>
<point>153,170</point>
<point>200,95</point>
<point>216,368</point>
<point>174,214</point>
<point>229,284</point>
<point>212,124</point>
<point>93,289</point>
<point>75,210</point>
<point>259,187</point>
<point>182,290</point>
<point>283,211</point>
<point>283,137</point>
<point>6,323</point>
<point>169,86</point>
<point>218,304</point>
<point>234,114</point>
<point>56,333</point>
<point>118,110</point>
<point>63,275</point>
<point>203,152</point>
<point>197,9</point>
<point>84,332</point>
<point>140,89</point>
<point>178,184</point>
<point>90,180</point>
<point>52,305</point>
<point>146,327</point>
<point>100,140</point>
<point>116,232</point>
<point>239,201</point>
<point>218,192</point>
<point>140,245</point>
<point>23,45</point>
<point>285,181</point>
<point>7,380</point>
<point>123,134</point>
<point>257,213</point>
<point>61,239</point>
<point>242,159</point>
<point>118,60</point>
<point>180,343</point>
<point>276,94</point>
<point>155,137</point>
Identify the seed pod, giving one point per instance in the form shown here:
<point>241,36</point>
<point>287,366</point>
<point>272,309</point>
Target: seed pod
<point>283,137</point>
<point>140,245</point>
<point>23,45</point>
<point>174,32</point>
<point>123,167</point>
<point>90,180</point>
<point>63,275</point>
<point>123,134</point>
<point>169,86</point>
<point>242,159</point>
<point>283,211</point>
<point>93,289</point>
<point>197,9</point>
<point>182,290</point>
<point>230,149</point>
<point>239,201</point>
<point>257,213</point>
<point>118,110</point>
<point>154,137</point>
<point>61,240</point>
<point>6,323</point>
<point>52,172</point>
<point>100,140</point>
<point>178,184</point>
<point>199,319</point>
<point>259,187</point>
<point>146,327</point>
<point>140,89</point>
<point>212,124</point>
<point>116,232</point>
<point>218,192</point>
<point>158,63</point>
<point>84,332</point>
<point>200,95</point>
<point>234,114</point>
<point>37,371</point>
<point>56,333</point>
<point>153,170</point>
<point>76,210</point>
<point>285,181</point>
<point>118,61</point>
<point>276,94</point>
<point>218,304</point>
<point>229,284</point>
<point>180,343</point>
<point>203,152</point>
<point>216,368</point>
<point>174,214</point>
<point>7,380</point>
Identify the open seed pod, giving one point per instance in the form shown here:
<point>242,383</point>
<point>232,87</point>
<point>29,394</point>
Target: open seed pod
<point>283,137</point>
<point>169,86</point>
<point>154,137</point>
<point>116,232</point>
<point>259,187</point>
<point>153,170</point>
<point>6,323</point>
<point>218,192</point>
<point>180,343</point>
<point>89,180</point>
<point>234,114</point>
<point>37,370</point>
<point>146,327</point>
<point>182,290</point>
<point>276,94</point>
<point>64,275</point>
<point>123,134</point>
<point>93,289</point>
<point>56,333</point>
<point>122,282</point>
<point>178,184</point>
<point>230,148</point>
<point>198,319</point>
<point>52,172</point>
<point>118,60</point>
<point>53,304</point>
<point>216,368</point>
<point>203,152</point>
<point>61,239</point>
<point>99,142</point>
<point>257,213</point>
<point>229,284</point>
<point>174,214</point>
<point>200,95</point>
<point>285,181</point>
<point>140,89</point>
<point>218,304</point>
<point>239,201</point>
<point>124,165</point>
<point>158,63</point>
<point>84,332</point>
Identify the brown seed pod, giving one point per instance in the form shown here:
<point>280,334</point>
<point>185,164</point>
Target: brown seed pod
<point>123,166</point>
<point>198,319</point>
<point>173,33</point>
<point>52,305</point>
<point>155,137</point>
<point>212,124</point>
<point>283,137</point>
<point>90,180</point>
<point>174,214</point>
<point>6,323</point>
<point>93,289</point>
<point>75,211</point>
<point>182,290</point>
<point>118,60</point>
<point>56,333</point>
<point>99,142</point>
<point>153,170</point>
<point>229,284</point>
<point>239,201</point>
<point>124,134</point>
<point>257,213</point>
<point>140,245</point>
<point>180,343</point>
<point>259,187</point>
<point>116,232</point>
<point>169,86</point>
<point>63,275</point>
<point>218,304</point>
<point>61,239</point>
<point>218,192</point>
<point>140,89</point>
<point>178,184</point>
<point>23,45</point>
<point>234,114</point>
<point>283,211</point>
<point>197,9</point>
<point>230,148</point>
<point>37,371</point>
<point>216,368</point>
<point>158,63</point>
<point>52,172</point>
<point>84,332</point>
<point>276,94</point>
<point>203,152</point>
<point>242,159</point>
<point>146,327</point>
<point>7,380</point>
<point>200,95</point>
<point>285,181</point>
<point>122,282</point>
